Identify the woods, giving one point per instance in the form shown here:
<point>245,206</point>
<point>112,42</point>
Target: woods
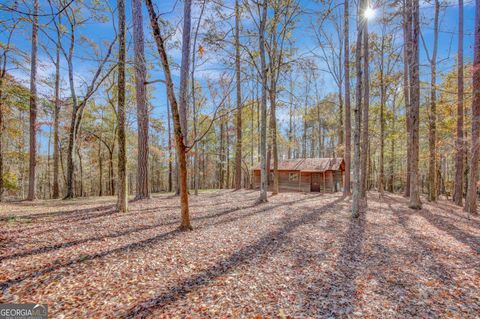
<point>256,81</point>
<point>163,120</point>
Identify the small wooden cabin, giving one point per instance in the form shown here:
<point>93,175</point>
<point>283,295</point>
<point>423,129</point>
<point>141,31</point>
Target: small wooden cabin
<point>306,175</point>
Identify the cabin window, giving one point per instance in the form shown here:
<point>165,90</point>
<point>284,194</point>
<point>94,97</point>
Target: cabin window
<point>293,177</point>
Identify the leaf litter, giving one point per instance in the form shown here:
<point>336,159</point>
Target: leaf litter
<point>297,256</point>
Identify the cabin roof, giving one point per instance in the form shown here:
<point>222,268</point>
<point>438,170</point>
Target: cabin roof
<point>308,164</point>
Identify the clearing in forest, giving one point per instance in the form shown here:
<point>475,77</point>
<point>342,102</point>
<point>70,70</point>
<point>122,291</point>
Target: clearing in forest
<point>298,256</point>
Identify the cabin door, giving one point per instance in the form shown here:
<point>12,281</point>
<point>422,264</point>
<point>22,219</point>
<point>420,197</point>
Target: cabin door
<point>315,182</point>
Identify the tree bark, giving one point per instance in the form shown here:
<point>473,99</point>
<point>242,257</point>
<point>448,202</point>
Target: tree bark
<point>414,202</point>
<point>170,158</point>
<point>357,112</point>
<point>460,147</point>
<point>56,116</point>
<point>238,148</point>
<point>263,106</point>
<point>406,88</point>
<point>432,138</point>
<point>33,106</point>
<point>179,140</point>
<point>348,121</point>
<point>475,147</point>
<point>381,181</point>
<point>366,106</point>
<point>122,200</point>
<point>143,190</point>
<point>184,68</point>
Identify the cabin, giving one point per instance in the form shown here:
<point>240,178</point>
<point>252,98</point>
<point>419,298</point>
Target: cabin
<point>306,175</point>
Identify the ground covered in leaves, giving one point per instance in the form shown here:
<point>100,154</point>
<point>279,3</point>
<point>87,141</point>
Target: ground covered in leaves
<point>297,256</point>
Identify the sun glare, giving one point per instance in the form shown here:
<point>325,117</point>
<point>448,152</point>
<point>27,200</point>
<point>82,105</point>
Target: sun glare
<point>369,13</point>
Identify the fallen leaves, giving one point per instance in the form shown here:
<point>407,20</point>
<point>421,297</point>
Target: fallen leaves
<point>297,256</point>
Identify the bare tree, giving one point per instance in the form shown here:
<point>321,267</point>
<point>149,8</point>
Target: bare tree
<point>414,11</point>
<point>179,140</point>
<point>238,147</point>
<point>406,86</point>
<point>460,144</point>
<point>143,190</point>
<point>366,106</point>
<point>432,138</point>
<point>357,111</point>
<point>348,122</point>
<point>33,105</point>
<point>3,73</point>
<point>475,147</point>
<point>263,104</point>
<point>78,107</point>
<point>122,204</point>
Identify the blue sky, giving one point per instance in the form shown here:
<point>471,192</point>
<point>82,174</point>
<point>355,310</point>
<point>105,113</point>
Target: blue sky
<point>100,33</point>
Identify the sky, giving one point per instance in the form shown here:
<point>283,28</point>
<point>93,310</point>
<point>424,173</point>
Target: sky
<point>211,67</point>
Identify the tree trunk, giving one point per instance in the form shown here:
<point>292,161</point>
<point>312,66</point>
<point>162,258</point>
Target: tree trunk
<point>392,146</point>
<point>366,106</point>
<point>56,116</point>
<point>143,190</point>
<point>348,121</point>
<point>475,147</point>
<point>381,180</point>
<point>79,155</point>
<point>122,199</point>
<point>460,144</point>
<point>100,169</point>
<point>263,105</point>
<point>179,140</point>
<point>290,119</point>
<point>238,149</point>
<point>357,112</point>
<point>415,202</point>
<point>184,68</point>
<point>432,138</point>
<point>170,158</point>
<point>406,88</point>
<point>273,134</point>
<point>33,106</point>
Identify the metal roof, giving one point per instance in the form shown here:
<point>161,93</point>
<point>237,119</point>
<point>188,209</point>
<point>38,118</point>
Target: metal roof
<point>308,164</point>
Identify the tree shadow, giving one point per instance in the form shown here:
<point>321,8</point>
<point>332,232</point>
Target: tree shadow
<point>60,213</point>
<point>174,221</point>
<point>269,243</point>
<point>335,293</point>
<point>129,247</point>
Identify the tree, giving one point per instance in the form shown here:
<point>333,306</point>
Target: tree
<point>432,139</point>
<point>78,106</point>
<point>348,123</point>
<point>238,147</point>
<point>357,112</point>
<point>365,117</point>
<point>122,204</point>
<point>143,190</point>
<point>263,104</point>
<point>460,145</point>
<point>414,63</point>
<point>3,73</point>
<point>179,140</point>
<point>475,147</point>
<point>33,106</point>
<point>406,23</point>
<point>56,118</point>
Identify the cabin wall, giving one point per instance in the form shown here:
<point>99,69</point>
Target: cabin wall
<point>294,181</point>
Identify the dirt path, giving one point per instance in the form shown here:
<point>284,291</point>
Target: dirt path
<point>299,256</point>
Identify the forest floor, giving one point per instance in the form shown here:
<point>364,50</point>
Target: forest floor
<point>297,256</point>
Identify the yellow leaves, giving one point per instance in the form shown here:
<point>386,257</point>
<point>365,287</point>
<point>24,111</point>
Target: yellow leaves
<point>201,51</point>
